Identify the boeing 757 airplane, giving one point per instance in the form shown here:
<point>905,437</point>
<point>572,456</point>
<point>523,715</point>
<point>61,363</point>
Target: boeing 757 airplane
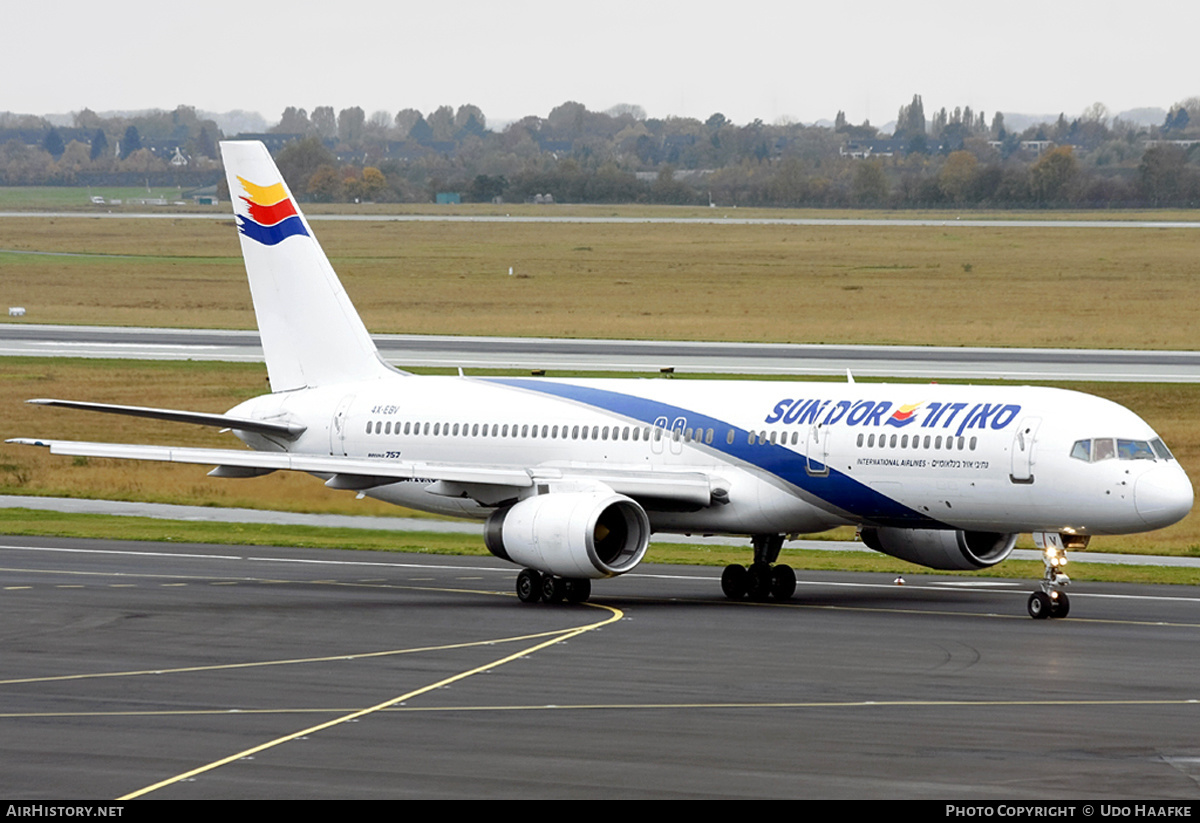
<point>572,477</point>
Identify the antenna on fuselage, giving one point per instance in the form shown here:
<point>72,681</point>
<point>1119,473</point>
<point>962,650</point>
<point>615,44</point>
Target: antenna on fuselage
<point>849,376</point>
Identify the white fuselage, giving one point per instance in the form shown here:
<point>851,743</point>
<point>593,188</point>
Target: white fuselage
<point>781,457</point>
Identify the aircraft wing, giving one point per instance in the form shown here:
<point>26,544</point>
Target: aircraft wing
<point>451,479</point>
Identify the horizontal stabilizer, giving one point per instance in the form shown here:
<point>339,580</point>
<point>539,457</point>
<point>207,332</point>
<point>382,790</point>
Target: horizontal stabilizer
<point>289,430</point>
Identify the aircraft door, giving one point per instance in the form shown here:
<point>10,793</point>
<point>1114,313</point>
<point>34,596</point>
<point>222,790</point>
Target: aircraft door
<point>657,432</point>
<point>677,435</point>
<point>817,451</point>
<point>337,426</point>
<point>1022,450</point>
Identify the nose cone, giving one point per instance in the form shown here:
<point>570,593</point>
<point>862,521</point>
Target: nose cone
<point>1163,495</point>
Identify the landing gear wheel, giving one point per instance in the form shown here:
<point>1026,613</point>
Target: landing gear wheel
<point>759,579</point>
<point>1052,601</point>
<point>1060,606</point>
<point>783,582</point>
<point>553,590</point>
<point>735,581</point>
<point>1039,605</point>
<point>577,589</point>
<point>529,586</point>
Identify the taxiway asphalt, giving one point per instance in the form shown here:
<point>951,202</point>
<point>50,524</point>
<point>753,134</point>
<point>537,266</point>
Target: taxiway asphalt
<point>185,671</point>
<point>230,514</point>
<point>925,362</point>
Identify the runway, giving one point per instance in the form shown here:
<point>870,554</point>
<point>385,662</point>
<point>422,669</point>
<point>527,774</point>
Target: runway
<point>180,672</point>
<point>938,363</point>
<point>719,216</point>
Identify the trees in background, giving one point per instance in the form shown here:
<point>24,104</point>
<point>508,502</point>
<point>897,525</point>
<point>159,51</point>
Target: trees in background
<point>99,145</point>
<point>1051,176</point>
<point>951,157</point>
<point>131,141</point>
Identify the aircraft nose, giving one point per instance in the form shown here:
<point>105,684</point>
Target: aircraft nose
<point>1163,495</point>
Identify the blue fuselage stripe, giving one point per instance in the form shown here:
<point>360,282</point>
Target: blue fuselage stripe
<point>836,488</point>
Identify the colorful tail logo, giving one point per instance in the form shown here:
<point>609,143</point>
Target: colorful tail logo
<point>904,415</point>
<point>273,217</point>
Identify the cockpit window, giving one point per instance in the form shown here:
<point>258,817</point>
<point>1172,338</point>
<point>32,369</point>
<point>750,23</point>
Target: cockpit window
<point>1106,448</point>
<point>1134,450</point>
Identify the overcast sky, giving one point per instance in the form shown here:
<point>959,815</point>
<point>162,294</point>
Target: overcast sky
<point>767,60</point>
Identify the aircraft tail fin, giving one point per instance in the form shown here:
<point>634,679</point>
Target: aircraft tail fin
<point>311,334</point>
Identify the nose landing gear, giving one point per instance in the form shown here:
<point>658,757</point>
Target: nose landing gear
<point>1050,600</point>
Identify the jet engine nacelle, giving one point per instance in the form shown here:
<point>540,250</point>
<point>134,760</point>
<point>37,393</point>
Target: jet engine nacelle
<point>571,534</point>
<point>942,549</point>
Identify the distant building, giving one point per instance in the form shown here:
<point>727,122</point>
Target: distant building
<point>862,149</point>
<point>1183,144</point>
<point>274,142</point>
<point>694,176</point>
<point>203,196</point>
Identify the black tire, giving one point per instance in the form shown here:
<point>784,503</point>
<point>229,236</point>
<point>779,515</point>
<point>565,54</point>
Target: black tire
<point>553,590</point>
<point>759,579</point>
<point>1039,605</point>
<point>783,582</point>
<point>1060,606</point>
<point>529,586</point>
<point>578,589</point>
<point>735,581</point>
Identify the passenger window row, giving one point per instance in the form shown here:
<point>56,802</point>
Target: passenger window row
<point>645,433</point>
<point>544,432</point>
<point>902,441</point>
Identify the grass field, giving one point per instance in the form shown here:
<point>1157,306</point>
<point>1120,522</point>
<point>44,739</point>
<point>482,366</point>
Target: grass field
<point>1095,288</point>
<point>1062,287</point>
<point>69,198</point>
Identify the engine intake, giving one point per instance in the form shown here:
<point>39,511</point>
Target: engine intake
<point>942,549</point>
<point>571,534</point>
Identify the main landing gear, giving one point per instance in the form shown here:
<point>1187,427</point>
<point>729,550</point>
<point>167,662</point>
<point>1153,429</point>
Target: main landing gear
<point>533,586</point>
<point>760,581</point>
<point>1050,600</point>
